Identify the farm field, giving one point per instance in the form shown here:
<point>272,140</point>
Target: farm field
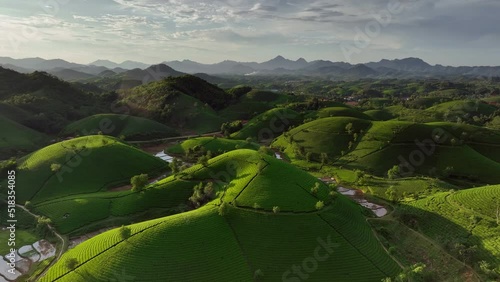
<point>16,137</point>
<point>214,145</point>
<point>465,219</point>
<point>268,125</point>
<point>376,146</point>
<point>240,236</point>
<point>127,127</point>
<point>69,168</point>
<point>285,170</point>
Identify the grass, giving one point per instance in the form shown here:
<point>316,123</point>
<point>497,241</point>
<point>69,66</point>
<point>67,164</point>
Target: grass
<point>381,115</point>
<point>16,137</point>
<point>269,125</point>
<point>130,127</point>
<point>462,107</point>
<point>214,145</point>
<point>245,241</point>
<point>71,213</point>
<point>184,103</point>
<point>254,103</point>
<point>410,247</point>
<point>380,145</point>
<point>466,217</point>
<point>326,135</point>
<point>12,112</point>
<point>88,164</point>
<point>339,112</point>
<point>23,237</point>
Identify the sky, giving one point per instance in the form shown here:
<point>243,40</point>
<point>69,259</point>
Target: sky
<point>447,32</point>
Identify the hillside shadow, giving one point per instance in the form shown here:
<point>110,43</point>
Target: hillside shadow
<point>453,238</point>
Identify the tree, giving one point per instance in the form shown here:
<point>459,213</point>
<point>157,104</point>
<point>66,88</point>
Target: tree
<point>208,190</point>
<point>315,189</point>
<point>348,128</point>
<point>350,145</point>
<point>359,175</point>
<point>231,127</point>
<point>266,151</point>
<point>28,205</point>
<point>258,273</point>
<point>324,158</point>
<point>465,252</point>
<point>125,232</point>
<point>203,160</point>
<point>202,194</point>
<point>55,167</point>
<point>320,205</point>
<point>394,172</point>
<point>448,171</point>
<point>175,165</point>
<point>390,193</point>
<point>43,226</point>
<point>276,209</point>
<point>71,263</point>
<point>454,142</point>
<point>308,156</point>
<point>139,182</point>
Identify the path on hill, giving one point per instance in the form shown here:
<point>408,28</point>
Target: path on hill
<point>175,138</point>
<point>63,242</point>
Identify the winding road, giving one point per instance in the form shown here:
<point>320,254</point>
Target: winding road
<point>63,241</point>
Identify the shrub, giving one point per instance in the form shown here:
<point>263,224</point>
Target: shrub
<point>315,189</point>
<point>276,209</point>
<point>139,182</point>
<point>324,158</point>
<point>320,205</point>
<point>71,263</point>
<point>28,205</point>
<point>223,209</point>
<point>266,151</point>
<point>55,167</point>
<point>175,165</point>
<point>42,226</point>
<point>202,194</point>
<point>203,160</point>
<point>394,172</point>
<point>125,232</point>
<point>258,273</point>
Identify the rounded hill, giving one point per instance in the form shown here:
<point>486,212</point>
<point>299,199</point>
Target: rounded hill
<point>129,127</point>
<point>16,137</point>
<point>259,226</point>
<point>434,149</point>
<point>269,124</point>
<point>81,165</point>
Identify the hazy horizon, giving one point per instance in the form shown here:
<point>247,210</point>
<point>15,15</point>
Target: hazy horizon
<point>215,62</point>
<point>446,32</point>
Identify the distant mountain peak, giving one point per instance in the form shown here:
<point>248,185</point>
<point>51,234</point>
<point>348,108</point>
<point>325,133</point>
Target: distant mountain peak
<point>102,62</point>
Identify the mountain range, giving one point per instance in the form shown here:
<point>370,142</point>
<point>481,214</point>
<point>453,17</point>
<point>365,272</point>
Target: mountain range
<point>398,68</point>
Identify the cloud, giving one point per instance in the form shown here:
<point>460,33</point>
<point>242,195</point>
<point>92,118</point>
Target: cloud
<point>245,28</point>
